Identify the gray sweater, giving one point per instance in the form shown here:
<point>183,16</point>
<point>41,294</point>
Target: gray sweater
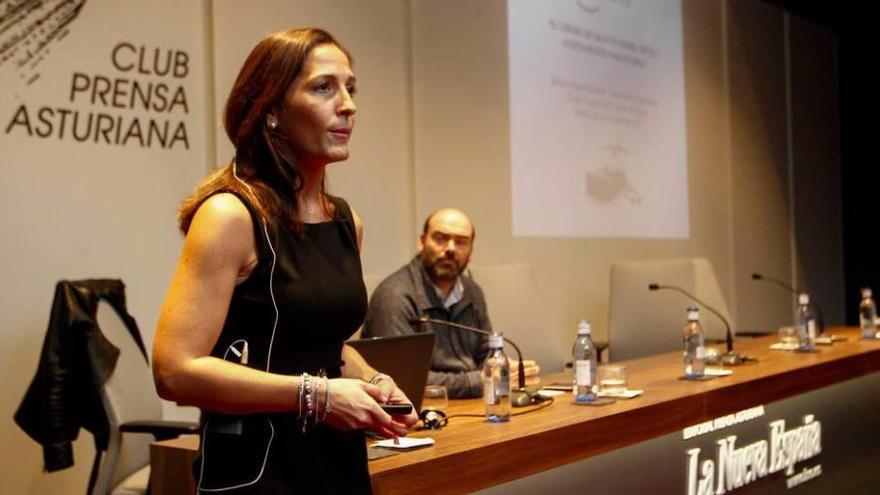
<point>458,356</point>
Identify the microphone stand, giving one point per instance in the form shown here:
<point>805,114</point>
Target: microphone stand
<point>519,397</point>
<point>820,318</point>
<point>729,358</point>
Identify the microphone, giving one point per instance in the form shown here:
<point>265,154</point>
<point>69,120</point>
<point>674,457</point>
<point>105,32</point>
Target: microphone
<point>758,276</point>
<point>519,397</point>
<point>820,319</point>
<point>729,357</point>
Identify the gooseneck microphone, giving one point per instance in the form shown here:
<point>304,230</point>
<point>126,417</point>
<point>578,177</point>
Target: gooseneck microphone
<point>729,357</point>
<point>519,397</point>
<point>820,319</point>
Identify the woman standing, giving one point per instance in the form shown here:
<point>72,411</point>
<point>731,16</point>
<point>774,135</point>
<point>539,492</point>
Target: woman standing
<point>269,285</point>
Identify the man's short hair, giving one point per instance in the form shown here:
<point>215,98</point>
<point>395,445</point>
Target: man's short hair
<point>428,220</point>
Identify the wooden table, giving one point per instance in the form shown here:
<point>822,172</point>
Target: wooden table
<point>477,454</point>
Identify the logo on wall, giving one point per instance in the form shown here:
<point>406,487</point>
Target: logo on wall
<point>735,466</point>
<point>610,180</point>
<point>28,29</point>
<point>141,101</point>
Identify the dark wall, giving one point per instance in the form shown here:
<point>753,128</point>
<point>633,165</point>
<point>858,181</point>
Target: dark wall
<point>859,177</point>
<point>815,162</point>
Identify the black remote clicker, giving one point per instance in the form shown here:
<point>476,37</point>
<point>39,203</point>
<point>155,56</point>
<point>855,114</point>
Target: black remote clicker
<point>401,408</point>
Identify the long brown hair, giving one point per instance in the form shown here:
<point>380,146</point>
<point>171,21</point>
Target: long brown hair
<point>262,157</point>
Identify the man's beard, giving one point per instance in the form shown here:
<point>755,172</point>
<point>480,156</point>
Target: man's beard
<point>443,268</point>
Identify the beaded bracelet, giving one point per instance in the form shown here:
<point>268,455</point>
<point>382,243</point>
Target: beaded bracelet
<point>308,393</point>
<point>313,403</point>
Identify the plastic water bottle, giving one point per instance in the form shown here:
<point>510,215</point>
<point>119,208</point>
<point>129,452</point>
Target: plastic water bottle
<point>694,346</point>
<point>496,381</point>
<point>805,323</point>
<point>583,358</point>
<point>867,315</point>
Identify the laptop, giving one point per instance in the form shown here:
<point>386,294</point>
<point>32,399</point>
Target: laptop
<point>406,358</point>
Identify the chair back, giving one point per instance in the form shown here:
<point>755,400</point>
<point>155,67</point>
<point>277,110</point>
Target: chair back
<point>643,322</point>
<point>128,395</point>
<point>370,282</point>
<point>517,307</point>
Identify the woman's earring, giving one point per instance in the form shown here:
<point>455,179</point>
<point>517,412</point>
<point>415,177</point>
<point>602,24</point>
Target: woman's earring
<point>273,124</point>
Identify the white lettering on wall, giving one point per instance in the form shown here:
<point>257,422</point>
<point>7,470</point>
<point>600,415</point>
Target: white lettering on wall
<point>722,422</point>
<point>735,467</point>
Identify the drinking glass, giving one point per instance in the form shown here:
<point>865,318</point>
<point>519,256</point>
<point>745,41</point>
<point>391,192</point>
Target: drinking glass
<point>612,379</point>
<point>435,398</point>
<point>788,336</point>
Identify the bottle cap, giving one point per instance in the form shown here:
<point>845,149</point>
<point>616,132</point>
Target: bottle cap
<point>803,298</point>
<point>866,292</point>
<point>496,341</point>
<point>693,314</point>
<point>584,327</point>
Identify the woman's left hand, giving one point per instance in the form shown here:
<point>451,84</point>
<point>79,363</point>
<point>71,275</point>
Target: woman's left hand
<point>393,395</point>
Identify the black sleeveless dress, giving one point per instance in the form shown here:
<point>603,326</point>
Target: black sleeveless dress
<point>317,285</point>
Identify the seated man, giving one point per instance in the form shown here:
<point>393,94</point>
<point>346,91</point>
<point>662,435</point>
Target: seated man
<point>432,285</point>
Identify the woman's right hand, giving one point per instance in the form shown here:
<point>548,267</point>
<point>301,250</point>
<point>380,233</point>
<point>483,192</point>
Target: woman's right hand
<point>355,406</point>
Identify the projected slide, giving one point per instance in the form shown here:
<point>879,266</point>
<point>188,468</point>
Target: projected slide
<point>597,119</point>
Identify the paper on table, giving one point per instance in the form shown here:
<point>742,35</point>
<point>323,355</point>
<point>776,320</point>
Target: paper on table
<point>404,443</point>
<point>717,372</point>
<point>784,346</point>
<point>628,394</point>
<point>547,393</point>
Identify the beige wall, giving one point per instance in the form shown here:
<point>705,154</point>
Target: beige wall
<point>759,162</point>
<point>462,156</point>
<point>433,131</point>
<point>738,157</point>
<point>74,210</point>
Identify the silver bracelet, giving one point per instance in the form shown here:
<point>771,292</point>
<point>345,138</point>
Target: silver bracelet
<point>323,414</point>
<point>327,407</point>
<point>326,400</point>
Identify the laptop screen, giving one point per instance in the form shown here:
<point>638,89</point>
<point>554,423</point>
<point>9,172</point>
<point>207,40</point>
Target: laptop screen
<point>406,358</point>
